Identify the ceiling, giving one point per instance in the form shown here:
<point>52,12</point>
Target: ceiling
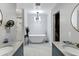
<point>30,6</point>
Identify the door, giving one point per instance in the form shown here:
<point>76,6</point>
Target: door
<point>57,26</point>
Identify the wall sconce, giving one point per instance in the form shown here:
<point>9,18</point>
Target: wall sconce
<point>9,24</point>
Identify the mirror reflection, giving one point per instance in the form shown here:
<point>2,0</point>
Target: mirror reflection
<point>75,18</point>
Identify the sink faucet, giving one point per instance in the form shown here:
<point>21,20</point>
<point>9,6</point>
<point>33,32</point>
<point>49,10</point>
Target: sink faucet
<point>68,42</point>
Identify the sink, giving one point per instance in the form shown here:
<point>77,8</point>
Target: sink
<point>71,50</point>
<point>5,50</point>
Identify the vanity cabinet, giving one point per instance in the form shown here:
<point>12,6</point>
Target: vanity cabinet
<point>19,52</point>
<point>56,51</point>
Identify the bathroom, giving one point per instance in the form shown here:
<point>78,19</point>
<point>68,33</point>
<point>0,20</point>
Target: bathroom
<point>66,32</point>
<point>39,30</point>
<point>52,29</point>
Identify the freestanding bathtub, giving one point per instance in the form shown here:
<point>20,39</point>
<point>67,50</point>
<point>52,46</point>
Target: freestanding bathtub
<point>37,38</point>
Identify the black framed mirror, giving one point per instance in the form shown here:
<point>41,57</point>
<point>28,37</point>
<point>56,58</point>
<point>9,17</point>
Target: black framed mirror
<point>1,17</point>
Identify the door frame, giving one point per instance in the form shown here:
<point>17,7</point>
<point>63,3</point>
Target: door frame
<point>54,26</point>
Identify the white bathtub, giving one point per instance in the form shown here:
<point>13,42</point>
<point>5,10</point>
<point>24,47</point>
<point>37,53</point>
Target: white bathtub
<point>37,38</point>
<point>5,50</point>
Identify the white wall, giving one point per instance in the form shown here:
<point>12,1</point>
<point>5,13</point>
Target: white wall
<point>20,24</point>
<point>37,27</point>
<point>49,33</point>
<point>25,18</point>
<point>9,13</point>
<point>67,32</point>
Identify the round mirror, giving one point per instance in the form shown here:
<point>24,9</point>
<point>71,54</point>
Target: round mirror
<point>1,17</point>
<point>75,18</point>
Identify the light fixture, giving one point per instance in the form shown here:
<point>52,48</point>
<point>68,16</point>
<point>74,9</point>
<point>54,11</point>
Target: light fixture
<point>36,11</point>
<point>37,18</point>
<point>37,8</point>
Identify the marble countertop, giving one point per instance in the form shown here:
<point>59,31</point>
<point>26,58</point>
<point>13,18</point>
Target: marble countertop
<point>15,46</point>
<point>59,45</point>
